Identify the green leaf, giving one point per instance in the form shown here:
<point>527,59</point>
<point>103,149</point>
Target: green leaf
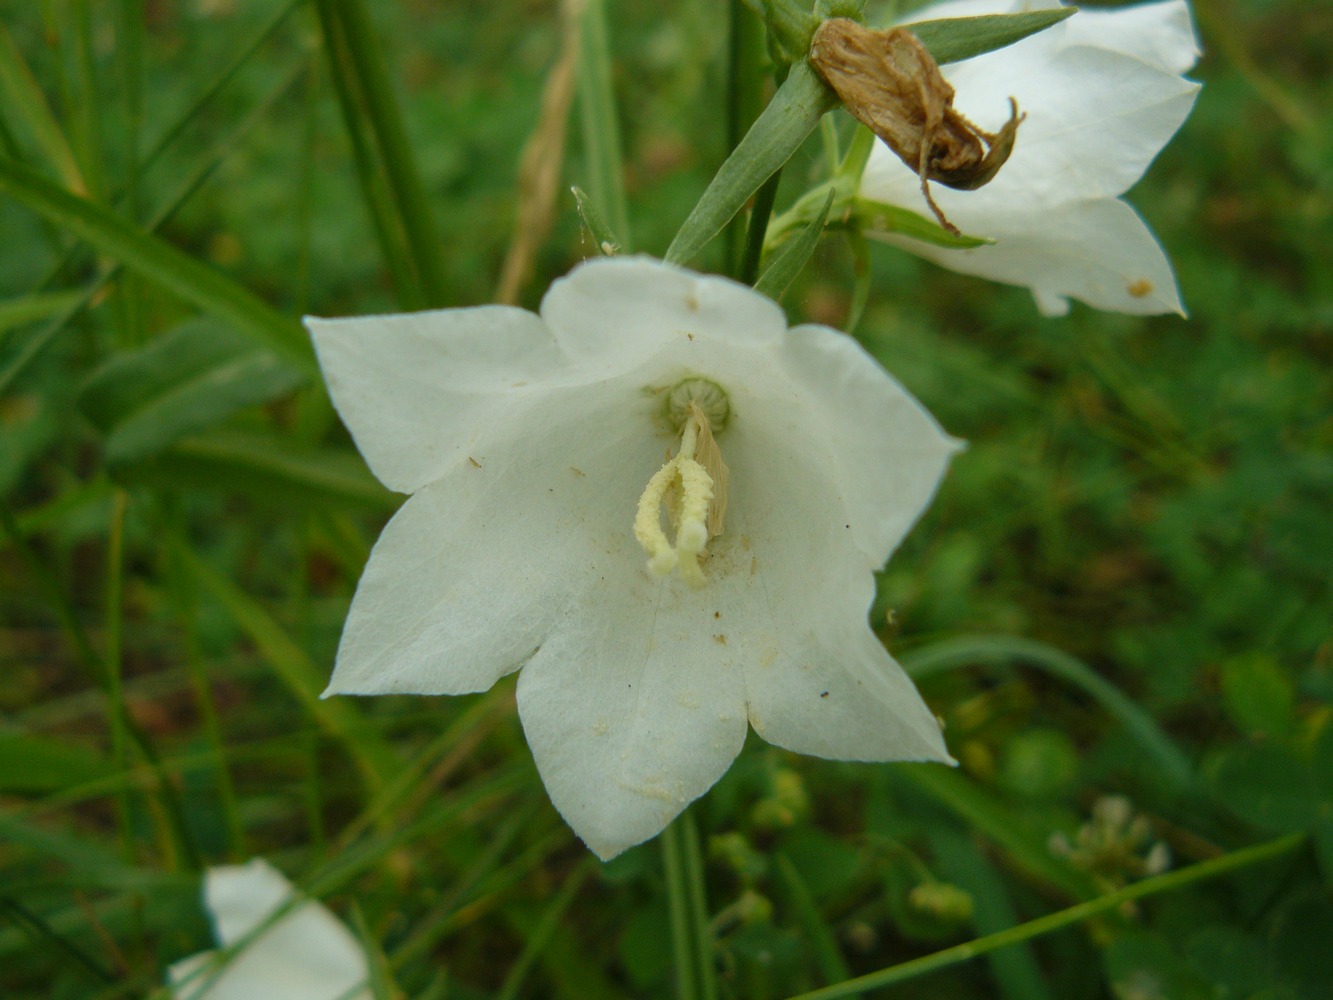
<point>956,38</point>
<point>881,217</point>
<point>191,279</point>
<point>35,764</point>
<point>181,383</point>
<point>267,468</point>
<point>22,93</point>
<point>783,125</point>
<point>1259,697</point>
<point>1268,785</point>
<point>793,256</point>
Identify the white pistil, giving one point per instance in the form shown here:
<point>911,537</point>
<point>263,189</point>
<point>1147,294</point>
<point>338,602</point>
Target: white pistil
<point>688,490</point>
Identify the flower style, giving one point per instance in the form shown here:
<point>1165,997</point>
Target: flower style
<point>303,954</point>
<point>1103,93</point>
<point>541,452</point>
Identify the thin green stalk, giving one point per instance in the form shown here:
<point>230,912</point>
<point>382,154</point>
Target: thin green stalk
<point>678,896</point>
<point>958,954</point>
<point>698,908</point>
<point>754,236</point>
<point>89,113</point>
<point>112,662</point>
<point>745,99</point>
<point>601,131</point>
<point>97,671</point>
<point>184,596</point>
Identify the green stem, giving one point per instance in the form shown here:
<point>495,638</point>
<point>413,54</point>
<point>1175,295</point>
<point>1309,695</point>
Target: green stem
<point>958,954</point>
<point>762,211</point>
<point>115,692</point>
<point>678,895</point>
<point>698,909</point>
<point>745,99</point>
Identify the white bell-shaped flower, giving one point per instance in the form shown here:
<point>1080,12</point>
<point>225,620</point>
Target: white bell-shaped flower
<point>1103,92</point>
<point>662,505</point>
<point>272,944</point>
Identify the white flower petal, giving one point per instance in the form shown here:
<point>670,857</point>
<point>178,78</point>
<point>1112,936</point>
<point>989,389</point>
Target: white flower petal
<point>479,567</point>
<point>883,479</point>
<point>616,311</point>
<point>1161,34</point>
<point>1099,252</point>
<point>306,954</point>
<point>414,388</point>
<point>637,710</point>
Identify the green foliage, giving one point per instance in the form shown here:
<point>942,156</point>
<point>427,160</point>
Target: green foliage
<point>1120,596</point>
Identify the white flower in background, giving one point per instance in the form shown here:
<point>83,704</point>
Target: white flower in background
<point>536,450</point>
<point>1103,93</point>
<point>304,954</point>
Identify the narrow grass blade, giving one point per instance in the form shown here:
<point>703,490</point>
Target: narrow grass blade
<point>191,279</point>
<point>601,130</point>
<point>1236,860</point>
<point>25,97</point>
<point>375,191</point>
<point>386,117</point>
<point>1015,969</point>
<point>818,934</point>
<point>780,129</point>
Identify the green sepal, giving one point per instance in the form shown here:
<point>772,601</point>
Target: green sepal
<point>607,242</point>
<point>780,129</point>
<point>956,38</point>
<point>791,258</point>
<point>882,218</point>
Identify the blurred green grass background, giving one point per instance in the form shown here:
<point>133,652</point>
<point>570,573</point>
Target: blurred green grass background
<point>1149,496</point>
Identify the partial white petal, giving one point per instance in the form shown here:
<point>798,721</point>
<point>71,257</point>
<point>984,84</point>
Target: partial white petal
<point>478,568</point>
<point>1161,34</point>
<point>637,706</point>
<point>887,453</point>
<point>797,588</point>
<point>1099,252</point>
<point>414,388</point>
<point>613,312</point>
<point>306,954</point>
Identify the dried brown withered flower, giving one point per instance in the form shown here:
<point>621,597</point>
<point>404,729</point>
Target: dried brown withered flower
<point>891,84</point>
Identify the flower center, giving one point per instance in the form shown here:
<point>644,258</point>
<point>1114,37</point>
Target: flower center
<point>692,485</point>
